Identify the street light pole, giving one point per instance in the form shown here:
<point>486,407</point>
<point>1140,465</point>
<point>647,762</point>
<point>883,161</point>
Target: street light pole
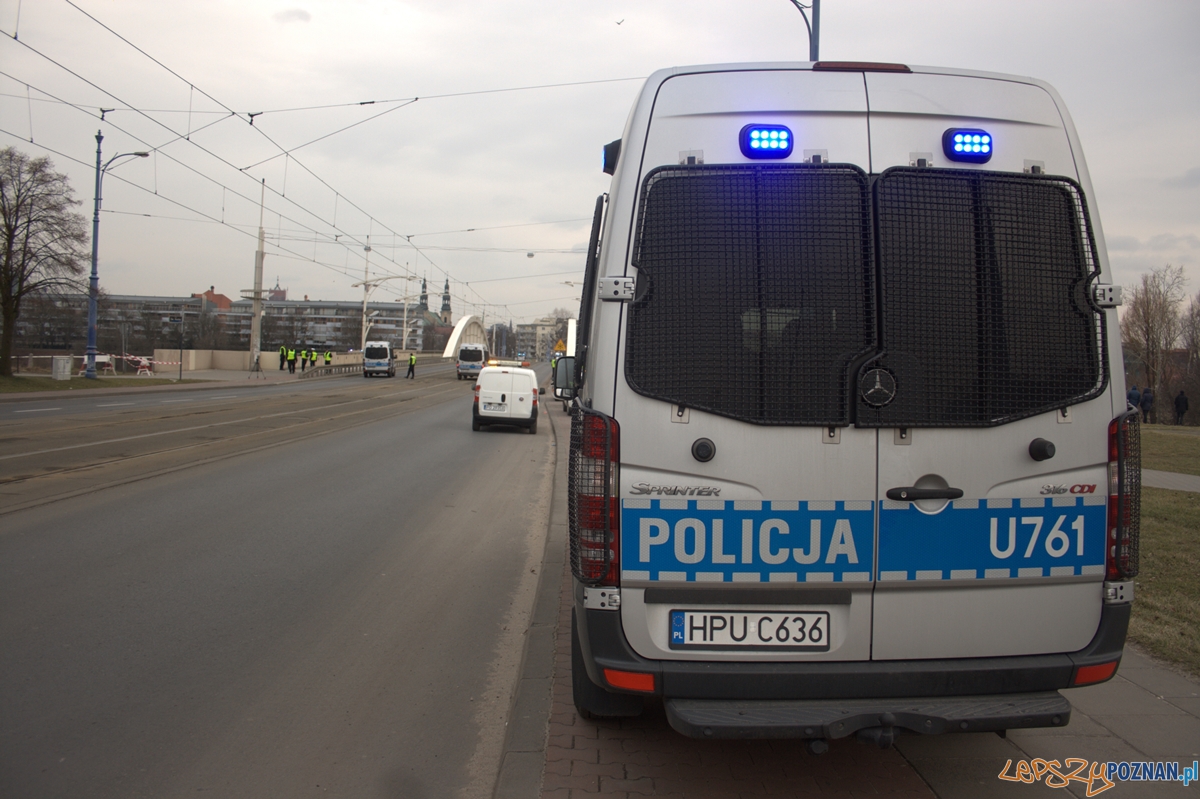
<point>94,283</point>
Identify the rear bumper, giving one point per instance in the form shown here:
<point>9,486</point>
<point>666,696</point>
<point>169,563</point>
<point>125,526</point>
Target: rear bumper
<point>875,719</point>
<point>1015,691</point>
<point>483,418</point>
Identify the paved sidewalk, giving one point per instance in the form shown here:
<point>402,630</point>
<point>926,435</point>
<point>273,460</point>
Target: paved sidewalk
<point>1171,480</point>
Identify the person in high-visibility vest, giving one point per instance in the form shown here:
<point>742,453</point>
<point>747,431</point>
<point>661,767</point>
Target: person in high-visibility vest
<point>328,357</point>
<point>412,365</point>
<point>291,359</point>
<point>303,360</point>
<point>282,357</point>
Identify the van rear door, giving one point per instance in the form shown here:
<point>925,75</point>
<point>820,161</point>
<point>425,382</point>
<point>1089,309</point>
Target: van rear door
<point>495,392</point>
<point>988,344</point>
<point>754,300</point>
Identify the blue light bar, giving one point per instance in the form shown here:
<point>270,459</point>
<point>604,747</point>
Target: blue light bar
<point>968,144</point>
<point>765,141</point>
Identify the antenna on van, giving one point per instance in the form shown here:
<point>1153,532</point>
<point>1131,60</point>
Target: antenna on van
<point>814,30</point>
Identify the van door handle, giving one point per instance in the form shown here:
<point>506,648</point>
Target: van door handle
<point>913,494</point>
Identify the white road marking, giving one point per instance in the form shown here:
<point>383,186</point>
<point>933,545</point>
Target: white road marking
<point>114,404</point>
<point>168,402</point>
<point>38,410</point>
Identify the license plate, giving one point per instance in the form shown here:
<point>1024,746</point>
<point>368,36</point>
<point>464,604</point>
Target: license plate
<point>804,631</point>
<point>494,406</point>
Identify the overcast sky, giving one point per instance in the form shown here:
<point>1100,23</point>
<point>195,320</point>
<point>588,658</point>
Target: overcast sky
<point>483,150</point>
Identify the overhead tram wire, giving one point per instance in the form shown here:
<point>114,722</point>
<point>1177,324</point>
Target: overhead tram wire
<point>298,162</point>
<point>303,166</point>
<point>168,156</point>
<point>178,137</point>
<point>207,217</point>
<point>186,137</point>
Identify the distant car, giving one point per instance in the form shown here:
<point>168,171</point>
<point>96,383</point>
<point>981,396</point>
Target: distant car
<point>506,392</point>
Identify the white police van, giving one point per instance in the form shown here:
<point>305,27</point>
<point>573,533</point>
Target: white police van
<point>850,453</point>
<point>379,359</point>
<point>471,359</point>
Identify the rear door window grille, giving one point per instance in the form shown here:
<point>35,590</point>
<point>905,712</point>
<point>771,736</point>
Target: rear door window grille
<point>760,295</point>
<point>755,290</point>
<point>984,306</point>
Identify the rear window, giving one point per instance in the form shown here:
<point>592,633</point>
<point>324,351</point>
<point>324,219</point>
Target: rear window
<point>774,294</point>
<point>474,356</point>
<point>376,353</point>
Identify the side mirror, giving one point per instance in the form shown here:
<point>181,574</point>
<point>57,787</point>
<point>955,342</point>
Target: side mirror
<point>564,378</point>
<point>541,390</point>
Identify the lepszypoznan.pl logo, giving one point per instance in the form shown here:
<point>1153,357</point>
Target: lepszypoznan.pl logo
<point>1098,777</point>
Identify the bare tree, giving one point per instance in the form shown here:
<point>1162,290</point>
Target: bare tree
<point>1151,325</point>
<point>43,243</point>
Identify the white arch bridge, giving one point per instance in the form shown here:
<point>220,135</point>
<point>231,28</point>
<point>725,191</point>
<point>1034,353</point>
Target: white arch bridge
<point>469,330</point>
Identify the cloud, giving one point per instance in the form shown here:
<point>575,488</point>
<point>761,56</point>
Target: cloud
<point>1161,242</point>
<point>1188,180</point>
<point>292,15</point>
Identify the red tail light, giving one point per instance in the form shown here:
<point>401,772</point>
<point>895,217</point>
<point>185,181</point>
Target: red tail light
<point>476,393</point>
<point>594,508</point>
<point>1088,675</point>
<point>1124,497</point>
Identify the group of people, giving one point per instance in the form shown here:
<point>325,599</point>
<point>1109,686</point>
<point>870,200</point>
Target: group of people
<point>288,356</point>
<point>1144,400</point>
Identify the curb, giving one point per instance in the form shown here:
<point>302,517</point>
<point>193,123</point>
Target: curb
<point>523,756</point>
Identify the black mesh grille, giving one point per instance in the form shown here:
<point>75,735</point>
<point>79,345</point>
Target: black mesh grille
<point>984,307</point>
<point>1129,494</point>
<point>592,504</point>
<point>755,290</point>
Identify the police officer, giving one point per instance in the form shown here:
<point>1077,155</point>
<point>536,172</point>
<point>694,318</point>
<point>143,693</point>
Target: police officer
<point>412,366</point>
<point>328,357</point>
<point>303,360</point>
<point>282,356</point>
<point>291,359</point>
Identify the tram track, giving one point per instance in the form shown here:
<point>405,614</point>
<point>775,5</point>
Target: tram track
<point>38,476</point>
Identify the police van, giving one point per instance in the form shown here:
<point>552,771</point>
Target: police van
<point>471,358</point>
<point>379,359</point>
<point>850,453</point>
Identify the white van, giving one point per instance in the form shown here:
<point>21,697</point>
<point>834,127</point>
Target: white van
<point>850,453</point>
<point>471,359</point>
<point>379,359</point>
<point>507,394</point>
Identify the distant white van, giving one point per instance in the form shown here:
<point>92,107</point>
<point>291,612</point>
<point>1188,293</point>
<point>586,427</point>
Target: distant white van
<point>507,394</point>
<point>379,359</point>
<point>850,452</point>
<point>471,359</point>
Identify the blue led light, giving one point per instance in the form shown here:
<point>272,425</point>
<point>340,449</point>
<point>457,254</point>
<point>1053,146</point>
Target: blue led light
<point>970,145</point>
<point>765,141</point>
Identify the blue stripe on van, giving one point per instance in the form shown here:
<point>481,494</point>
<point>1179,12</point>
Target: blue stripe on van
<point>714,540</point>
<point>993,539</point>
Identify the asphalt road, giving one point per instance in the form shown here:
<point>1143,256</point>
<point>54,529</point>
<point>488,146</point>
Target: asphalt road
<point>328,601</point>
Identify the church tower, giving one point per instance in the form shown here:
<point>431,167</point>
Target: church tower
<point>424,296</point>
<point>446,303</point>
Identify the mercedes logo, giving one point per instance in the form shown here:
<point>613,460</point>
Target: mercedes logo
<point>877,387</point>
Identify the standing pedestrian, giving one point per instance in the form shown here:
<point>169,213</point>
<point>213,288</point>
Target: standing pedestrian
<point>282,357</point>
<point>291,359</point>
<point>412,366</point>
<point>1181,407</point>
<point>303,360</point>
<point>1134,397</point>
<point>328,357</point>
<point>1147,404</point>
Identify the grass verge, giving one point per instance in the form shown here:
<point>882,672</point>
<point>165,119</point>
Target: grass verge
<point>1166,604</point>
<point>18,383</point>
<point>1171,448</point>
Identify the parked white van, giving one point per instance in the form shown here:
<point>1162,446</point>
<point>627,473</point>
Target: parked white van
<point>471,359</point>
<point>850,453</point>
<point>506,393</point>
<point>379,359</point>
